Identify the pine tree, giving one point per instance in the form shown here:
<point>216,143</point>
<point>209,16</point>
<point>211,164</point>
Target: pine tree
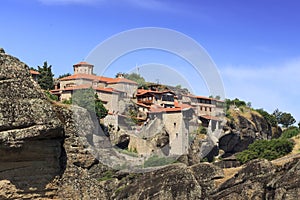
<point>45,79</point>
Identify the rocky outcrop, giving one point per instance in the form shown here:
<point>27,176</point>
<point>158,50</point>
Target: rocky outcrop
<point>260,179</point>
<point>242,129</point>
<point>31,136</point>
<point>76,181</point>
<point>176,181</point>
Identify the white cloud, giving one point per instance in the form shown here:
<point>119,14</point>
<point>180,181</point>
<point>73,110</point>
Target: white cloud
<point>266,87</point>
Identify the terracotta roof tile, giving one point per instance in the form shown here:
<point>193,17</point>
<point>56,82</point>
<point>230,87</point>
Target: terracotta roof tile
<point>110,90</point>
<point>34,72</point>
<point>181,105</point>
<point>79,76</point>
<point>121,80</point>
<point>156,109</point>
<point>82,63</point>
<point>172,109</point>
<point>159,109</point>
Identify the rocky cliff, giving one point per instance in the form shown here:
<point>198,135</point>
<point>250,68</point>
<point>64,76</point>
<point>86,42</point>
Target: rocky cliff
<point>44,156</point>
<point>243,127</point>
<point>31,136</point>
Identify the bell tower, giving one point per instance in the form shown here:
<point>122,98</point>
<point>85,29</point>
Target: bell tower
<point>83,68</point>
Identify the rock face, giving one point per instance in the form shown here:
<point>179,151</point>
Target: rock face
<point>31,136</point>
<point>243,130</point>
<point>172,182</point>
<point>260,179</point>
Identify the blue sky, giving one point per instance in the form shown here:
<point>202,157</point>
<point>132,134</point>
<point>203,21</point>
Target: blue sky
<point>255,44</point>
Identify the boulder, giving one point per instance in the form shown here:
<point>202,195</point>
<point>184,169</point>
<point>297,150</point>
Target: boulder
<point>31,135</point>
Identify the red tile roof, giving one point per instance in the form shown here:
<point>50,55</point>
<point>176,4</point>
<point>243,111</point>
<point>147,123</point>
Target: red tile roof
<point>181,105</point>
<point>156,109</point>
<point>121,80</point>
<point>98,78</point>
<point>203,97</point>
<point>159,109</point>
<point>33,72</point>
<point>77,87</point>
<point>104,79</point>
<point>82,63</point>
<point>79,76</point>
<point>172,109</point>
<point>110,90</point>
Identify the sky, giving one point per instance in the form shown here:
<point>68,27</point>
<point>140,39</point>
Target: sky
<point>254,44</point>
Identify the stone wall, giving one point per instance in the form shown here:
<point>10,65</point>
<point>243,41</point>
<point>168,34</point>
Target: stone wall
<point>143,147</point>
<point>112,100</point>
<point>129,89</point>
<point>64,84</point>
<point>178,132</point>
<point>66,95</point>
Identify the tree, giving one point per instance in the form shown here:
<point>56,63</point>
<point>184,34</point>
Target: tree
<point>286,119</point>
<point>270,118</point>
<point>267,149</point>
<point>64,75</point>
<point>45,79</point>
<point>277,114</point>
<point>178,86</point>
<point>87,99</point>
<point>136,78</point>
<point>218,97</point>
<point>249,104</point>
<point>290,132</point>
<point>238,103</point>
<point>100,110</point>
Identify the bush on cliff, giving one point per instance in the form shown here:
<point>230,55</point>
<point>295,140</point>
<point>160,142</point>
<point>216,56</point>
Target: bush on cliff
<point>267,149</point>
<point>87,99</point>
<point>290,132</point>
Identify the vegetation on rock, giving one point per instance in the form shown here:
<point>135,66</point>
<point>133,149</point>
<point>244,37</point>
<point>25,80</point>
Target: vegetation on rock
<point>269,117</point>
<point>158,161</point>
<point>137,78</point>
<point>51,96</point>
<point>87,99</point>
<point>267,149</point>
<point>290,132</point>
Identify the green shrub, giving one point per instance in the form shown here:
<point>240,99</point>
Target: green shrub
<point>108,175</point>
<point>158,161</point>
<point>201,130</point>
<point>270,118</point>
<point>51,96</point>
<point>290,132</point>
<point>267,149</point>
<point>69,101</point>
